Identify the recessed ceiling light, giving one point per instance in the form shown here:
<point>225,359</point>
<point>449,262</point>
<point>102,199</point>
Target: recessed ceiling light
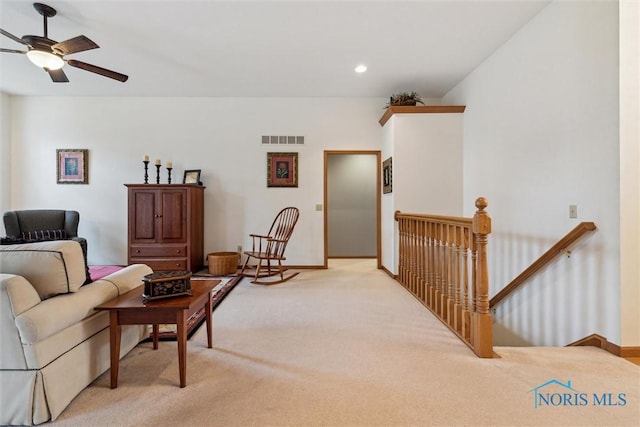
<point>361,68</point>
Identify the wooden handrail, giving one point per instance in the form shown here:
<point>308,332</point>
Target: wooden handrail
<point>442,261</point>
<point>544,259</point>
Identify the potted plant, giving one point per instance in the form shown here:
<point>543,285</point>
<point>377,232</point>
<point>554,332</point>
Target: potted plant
<point>404,98</point>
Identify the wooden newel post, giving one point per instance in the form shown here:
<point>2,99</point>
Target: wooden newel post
<point>482,329</point>
<point>401,250</point>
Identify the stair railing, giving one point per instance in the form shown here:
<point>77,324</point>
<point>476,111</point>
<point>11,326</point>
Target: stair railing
<point>559,248</point>
<point>443,263</point>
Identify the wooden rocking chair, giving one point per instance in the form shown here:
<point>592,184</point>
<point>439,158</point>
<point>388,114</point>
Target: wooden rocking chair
<point>270,248</point>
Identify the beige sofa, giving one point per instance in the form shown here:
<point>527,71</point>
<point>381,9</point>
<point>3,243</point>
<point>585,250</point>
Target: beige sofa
<point>52,342</point>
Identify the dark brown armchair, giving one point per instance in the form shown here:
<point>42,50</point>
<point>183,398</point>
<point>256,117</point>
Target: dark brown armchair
<point>33,224</point>
<point>43,224</point>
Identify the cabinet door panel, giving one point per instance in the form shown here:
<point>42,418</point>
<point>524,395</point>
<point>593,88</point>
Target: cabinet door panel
<point>174,216</point>
<point>165,227</point>
<point>144,212</point>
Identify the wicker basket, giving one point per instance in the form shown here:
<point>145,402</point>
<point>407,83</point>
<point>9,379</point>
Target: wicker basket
<point>223,263</point>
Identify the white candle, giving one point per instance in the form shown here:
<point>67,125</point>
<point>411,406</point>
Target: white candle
<point>146,158</point>
<point>169,165</point>
<point>158,162</point>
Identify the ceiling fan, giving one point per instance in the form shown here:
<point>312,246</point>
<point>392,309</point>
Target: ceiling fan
<point>49,55</point>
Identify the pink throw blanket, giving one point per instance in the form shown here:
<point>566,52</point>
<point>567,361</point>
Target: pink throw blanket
<point>99,271</point>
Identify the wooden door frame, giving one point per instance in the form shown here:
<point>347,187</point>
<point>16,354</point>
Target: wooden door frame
<point>378,155</point>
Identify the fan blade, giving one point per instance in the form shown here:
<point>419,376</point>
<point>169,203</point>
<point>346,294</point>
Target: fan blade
<point>97,70</point>
<point>12,51</point>
<point>58,76</point>
<point>76,44</point>
<point>14,38</point>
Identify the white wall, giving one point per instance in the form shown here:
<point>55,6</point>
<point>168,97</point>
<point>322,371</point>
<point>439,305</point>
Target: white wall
<point>540,134</point>
<point>220,136</point>
<point>388,206</point>
<point>629,172</point>
<point>426,152</point>
<point>5,151</point>
<point>427,173</point>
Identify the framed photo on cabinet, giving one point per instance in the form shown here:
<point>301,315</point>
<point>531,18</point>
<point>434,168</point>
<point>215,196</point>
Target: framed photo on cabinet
<point>192,176</point>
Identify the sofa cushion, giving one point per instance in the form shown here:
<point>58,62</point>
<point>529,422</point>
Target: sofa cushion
<point>52,267</point>
<point>54,315</point>
<point>16,297</point>
<point>40,322</point>
<point>81,240</point>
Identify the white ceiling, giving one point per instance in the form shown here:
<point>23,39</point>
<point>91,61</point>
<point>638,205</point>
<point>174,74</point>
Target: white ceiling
<point>264,48</point>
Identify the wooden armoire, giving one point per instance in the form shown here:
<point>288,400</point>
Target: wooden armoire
<point>166,226</point>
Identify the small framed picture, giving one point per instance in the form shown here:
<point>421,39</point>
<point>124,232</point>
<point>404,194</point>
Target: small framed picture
<point>191,176</point>
<point>72,166</point>
<point>282,169</point>
<point>387,176</point>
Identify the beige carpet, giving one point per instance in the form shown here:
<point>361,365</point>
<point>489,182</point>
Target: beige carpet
<point>349,346</point>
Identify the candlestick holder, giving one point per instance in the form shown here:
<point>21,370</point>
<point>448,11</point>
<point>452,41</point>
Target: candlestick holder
<point>158,174</point>
<point>146,171</point>
<point>169,179</point>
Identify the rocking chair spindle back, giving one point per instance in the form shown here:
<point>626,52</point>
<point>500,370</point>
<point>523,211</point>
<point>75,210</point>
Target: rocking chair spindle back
<point>269,248</point>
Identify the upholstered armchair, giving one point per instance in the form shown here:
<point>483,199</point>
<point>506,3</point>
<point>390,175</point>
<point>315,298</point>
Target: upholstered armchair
<point>43,224</point>
<point>36,224</point>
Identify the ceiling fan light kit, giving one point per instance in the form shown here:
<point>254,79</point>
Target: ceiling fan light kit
<point>45,60</point>
<point>49,54</point>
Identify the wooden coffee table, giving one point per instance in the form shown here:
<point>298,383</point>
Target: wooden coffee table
<point>128,309</point>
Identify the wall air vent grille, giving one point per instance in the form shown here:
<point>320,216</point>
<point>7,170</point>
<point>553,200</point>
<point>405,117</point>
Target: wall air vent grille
<point>282,140</point>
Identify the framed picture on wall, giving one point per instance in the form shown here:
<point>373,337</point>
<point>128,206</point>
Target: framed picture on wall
<point>72,166</point>
<point>387,176</point>
<point>282,169</point>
